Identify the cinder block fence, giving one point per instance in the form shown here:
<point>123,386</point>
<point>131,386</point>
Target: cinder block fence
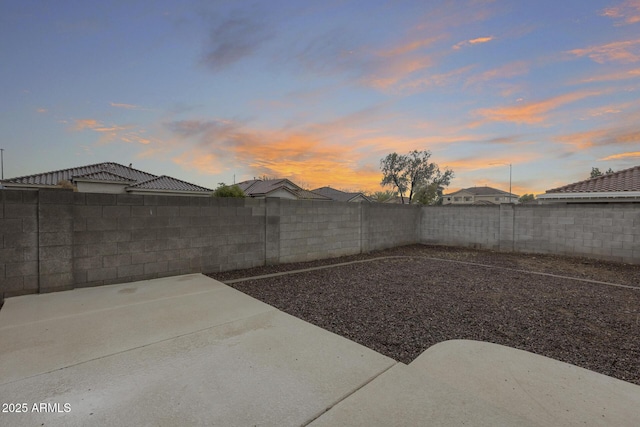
<point>58,239</point>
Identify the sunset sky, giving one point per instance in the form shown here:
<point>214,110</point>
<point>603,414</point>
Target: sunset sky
<point>320,91</point>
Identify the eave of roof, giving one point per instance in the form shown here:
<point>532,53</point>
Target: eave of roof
<point>591,195</point>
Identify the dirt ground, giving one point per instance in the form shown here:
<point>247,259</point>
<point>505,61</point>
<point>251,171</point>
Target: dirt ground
<point>401,306</point>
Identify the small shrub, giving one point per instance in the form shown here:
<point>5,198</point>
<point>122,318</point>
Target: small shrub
<point>67,185</point>
<point>224,190</point>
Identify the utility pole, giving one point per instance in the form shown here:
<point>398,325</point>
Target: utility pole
<point>509,182</point>
<point>2,163</point>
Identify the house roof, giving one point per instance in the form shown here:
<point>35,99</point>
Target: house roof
<point>262,188</point>
<point>108,172</point>
<point>624,180</point>
<point>483,191</point>
<point>103,176</point>
<point>167,183</point>
<point>337,195</point>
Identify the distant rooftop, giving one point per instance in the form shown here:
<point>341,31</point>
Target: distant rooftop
<point>262,188</point>
<point>483,191</point>
<point>624,180</point>
<point>337,195</point>
<point>107,172</point>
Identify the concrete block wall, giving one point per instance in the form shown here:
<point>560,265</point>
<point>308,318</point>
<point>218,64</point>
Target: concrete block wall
<point>470,226</point>
<point>310,230</point>
<point>604,231</point>
<point>57,239</point>
<point>18,242</point>
<point>387,226</point>
<point>119,238</point>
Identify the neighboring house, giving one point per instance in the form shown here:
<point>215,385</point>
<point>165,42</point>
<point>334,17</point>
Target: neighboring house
<point>341,196</point>
<point>283,188</point>
<point>621,186</point>
<point>479,196</point>
<point>109,178</point>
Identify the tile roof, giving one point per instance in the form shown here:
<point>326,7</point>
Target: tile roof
<point>337,195</point>
<point>103,176</point>
<point>108,171</point>
<point>483,191</point>
<point>261,188</point>
<point>165,183</point>
<point>311,195</point>
<point>52,178</point>
<point>624,180</point>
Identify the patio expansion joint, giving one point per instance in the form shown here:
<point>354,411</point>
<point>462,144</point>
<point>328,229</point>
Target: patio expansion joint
<point>349,394</point>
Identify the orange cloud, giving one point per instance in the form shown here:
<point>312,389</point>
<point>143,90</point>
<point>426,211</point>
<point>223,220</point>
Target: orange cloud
<point>626,52</point>
<point>125,133</point>
<point>200,160</point>
<point>608,109</point>
<point>318,155</point>
<point>408,47</point>
<point>392,72</point>
<point>82,124</point>
<point>125,106</point>
<point>533,112</point>
<point>627,12</point>
<point>622,155</point>
<point>600,137</point>
<point>506,71</point>
<point>434,80</point>
<point>481,40</point>
<point>620,75</point>
<point>478,40</point>
<point>477,163</point>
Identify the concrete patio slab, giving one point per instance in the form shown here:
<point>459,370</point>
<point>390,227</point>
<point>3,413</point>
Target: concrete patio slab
<point>540,389</point>
<point>403,396</point>
<point>463,382</point>
<point>206,358</point>
<point>33,308</point>
<point>189,350</point>
<point>81,335</point>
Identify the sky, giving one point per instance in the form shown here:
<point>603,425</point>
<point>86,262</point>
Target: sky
<point>320,92</point>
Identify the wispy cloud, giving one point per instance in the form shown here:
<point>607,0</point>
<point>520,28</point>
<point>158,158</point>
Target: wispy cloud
<point>532,112</point>
<point>601,137</point>
<point>388,75</point>
<point>626,52</point>
<point>408,47</point>
<point>607,110</point>
<point>628,155</point>
<point>627,12</point>
<point>113,132</point>
<point>506,71</point>
<point>126,106</point>
<point>471,42</point>
<point>616,76</point>
<point>320,154</point>
<point>234,37</point>
<point>41,110</point>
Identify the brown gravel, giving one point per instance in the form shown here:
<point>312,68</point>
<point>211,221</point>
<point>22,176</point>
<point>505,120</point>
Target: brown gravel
<point>402,306</point>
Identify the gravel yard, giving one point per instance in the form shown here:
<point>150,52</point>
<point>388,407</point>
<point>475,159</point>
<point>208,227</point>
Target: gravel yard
<point>427,294</point>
